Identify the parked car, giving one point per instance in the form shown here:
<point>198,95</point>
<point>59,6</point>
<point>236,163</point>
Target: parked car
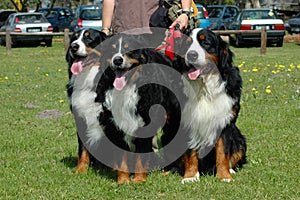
<point>60,18</point>
<point>203,16</point>
<point>293,24</point>
<point>4,15</point>
<point>27,23</point>
<point>255,19</point>
<point>221,16</point>
<point>87,17</point>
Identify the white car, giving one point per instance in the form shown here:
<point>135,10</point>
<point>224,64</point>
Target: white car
<point>27,23</point>
<point>255,19</point>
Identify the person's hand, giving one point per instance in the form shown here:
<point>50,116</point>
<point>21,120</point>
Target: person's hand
<point>106,31</point>
<point>182,20</point>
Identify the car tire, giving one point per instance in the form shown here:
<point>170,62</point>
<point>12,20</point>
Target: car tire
<point>49,43</point>
<point>279,43</point>
<point>238,42</point>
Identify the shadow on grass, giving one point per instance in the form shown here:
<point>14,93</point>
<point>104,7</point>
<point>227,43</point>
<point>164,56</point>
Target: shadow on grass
<point>97,167</point>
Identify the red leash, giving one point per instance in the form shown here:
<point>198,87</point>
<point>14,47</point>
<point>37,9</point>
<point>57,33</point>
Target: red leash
<point>169,46</point>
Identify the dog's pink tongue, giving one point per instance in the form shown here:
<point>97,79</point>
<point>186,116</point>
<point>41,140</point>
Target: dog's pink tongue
<point>76,68</point>
<point>119,83</point>
<point>193,74</point>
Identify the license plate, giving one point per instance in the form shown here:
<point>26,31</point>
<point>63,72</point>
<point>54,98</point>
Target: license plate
<point>260,27</point>
<point>33,30</point>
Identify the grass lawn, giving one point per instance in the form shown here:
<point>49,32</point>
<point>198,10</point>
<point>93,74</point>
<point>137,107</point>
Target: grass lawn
<point>38,151</point>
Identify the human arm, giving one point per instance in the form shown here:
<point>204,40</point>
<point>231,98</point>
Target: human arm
<point>107,15</point>
<point>183,19</point>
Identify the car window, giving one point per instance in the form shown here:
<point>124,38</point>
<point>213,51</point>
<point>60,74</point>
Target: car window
<point>215,12</point>
<point>23,19</point>
<point>91,14</point>
<point>200,13</point>
<point>258,14</point>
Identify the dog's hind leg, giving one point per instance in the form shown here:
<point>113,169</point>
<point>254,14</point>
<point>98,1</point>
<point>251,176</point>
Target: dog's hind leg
<point>83,159</point>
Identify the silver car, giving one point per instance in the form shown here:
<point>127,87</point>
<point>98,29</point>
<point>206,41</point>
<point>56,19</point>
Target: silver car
<point>89,16</point>
<point>28,23</point>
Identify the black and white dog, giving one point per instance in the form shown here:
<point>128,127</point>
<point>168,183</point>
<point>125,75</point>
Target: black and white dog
<point>212,108</point>
<point>133,78</point>
<point>82,45</point>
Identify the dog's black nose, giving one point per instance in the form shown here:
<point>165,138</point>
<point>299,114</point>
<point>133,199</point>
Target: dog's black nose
<point>192,55</point>
<point>118,60</point>
<point>74,46</point>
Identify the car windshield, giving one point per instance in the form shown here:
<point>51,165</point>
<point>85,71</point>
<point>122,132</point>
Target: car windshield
<point>200,13</point>
<point>25,19</point>
<point>258,14</point>
<point>215,12</point>
<point>95,14</point>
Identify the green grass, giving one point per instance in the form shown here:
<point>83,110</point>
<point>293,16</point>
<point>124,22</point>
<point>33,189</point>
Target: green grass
<point>38,156</point>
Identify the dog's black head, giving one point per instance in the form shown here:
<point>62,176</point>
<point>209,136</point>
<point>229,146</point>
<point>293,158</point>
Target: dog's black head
<point>209,47</point>
<point>82,43</point>
<point>123,53</point>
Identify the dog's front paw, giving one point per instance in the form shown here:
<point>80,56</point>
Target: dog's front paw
<point>232,171</point>
<point>227,180</point>
<point>191,179</point>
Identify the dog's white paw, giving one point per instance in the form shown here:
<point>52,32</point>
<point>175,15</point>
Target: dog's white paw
<point>227,180</point>
<point>192,179</point>
<point>232,171</point>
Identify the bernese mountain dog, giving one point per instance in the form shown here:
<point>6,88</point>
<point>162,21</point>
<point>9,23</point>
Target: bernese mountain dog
<point>212,108</point>
<point>121,106</point>
<point>82,44</point>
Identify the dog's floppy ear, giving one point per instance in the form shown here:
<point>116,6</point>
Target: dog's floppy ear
<point>225,54</point>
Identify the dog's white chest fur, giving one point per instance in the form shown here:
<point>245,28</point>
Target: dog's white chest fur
<point>207,111</point>
<point>123,106</point>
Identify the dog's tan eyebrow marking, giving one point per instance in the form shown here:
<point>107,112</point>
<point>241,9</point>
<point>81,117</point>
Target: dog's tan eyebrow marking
<point>86,34</point>
<point>126,45</point>
<point>114,46</point>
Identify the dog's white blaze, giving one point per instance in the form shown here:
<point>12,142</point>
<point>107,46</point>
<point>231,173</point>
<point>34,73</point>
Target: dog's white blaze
<point>207,113</point>
<point>82,48</point>
<point>195,46</point>
<point>83,101</point>
<point>123,105</point>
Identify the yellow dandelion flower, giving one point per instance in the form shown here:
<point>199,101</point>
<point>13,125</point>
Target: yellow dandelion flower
<point>268,87</point>
<point>46,75</point>
<point>59,70</point>
<point>255,69</point>
<point>254,89</point>
<point>250,80</point>
<point>298,66</point>
<point>245,70</point>
<point>61,101</point>
<point>268,91</point>
<point>17,74</point>
<point>274,72</point>
<point>289,70</point>
<point>6,78</point>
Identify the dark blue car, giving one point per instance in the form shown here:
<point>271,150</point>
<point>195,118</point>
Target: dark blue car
<point>221,16</point>
<point>60,18</point>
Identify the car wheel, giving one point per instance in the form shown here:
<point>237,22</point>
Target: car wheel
<point>231,41</point>
<point>279,43</point>
<point>55,29</point>
<point>238,42</point>
<point>49,43</point>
